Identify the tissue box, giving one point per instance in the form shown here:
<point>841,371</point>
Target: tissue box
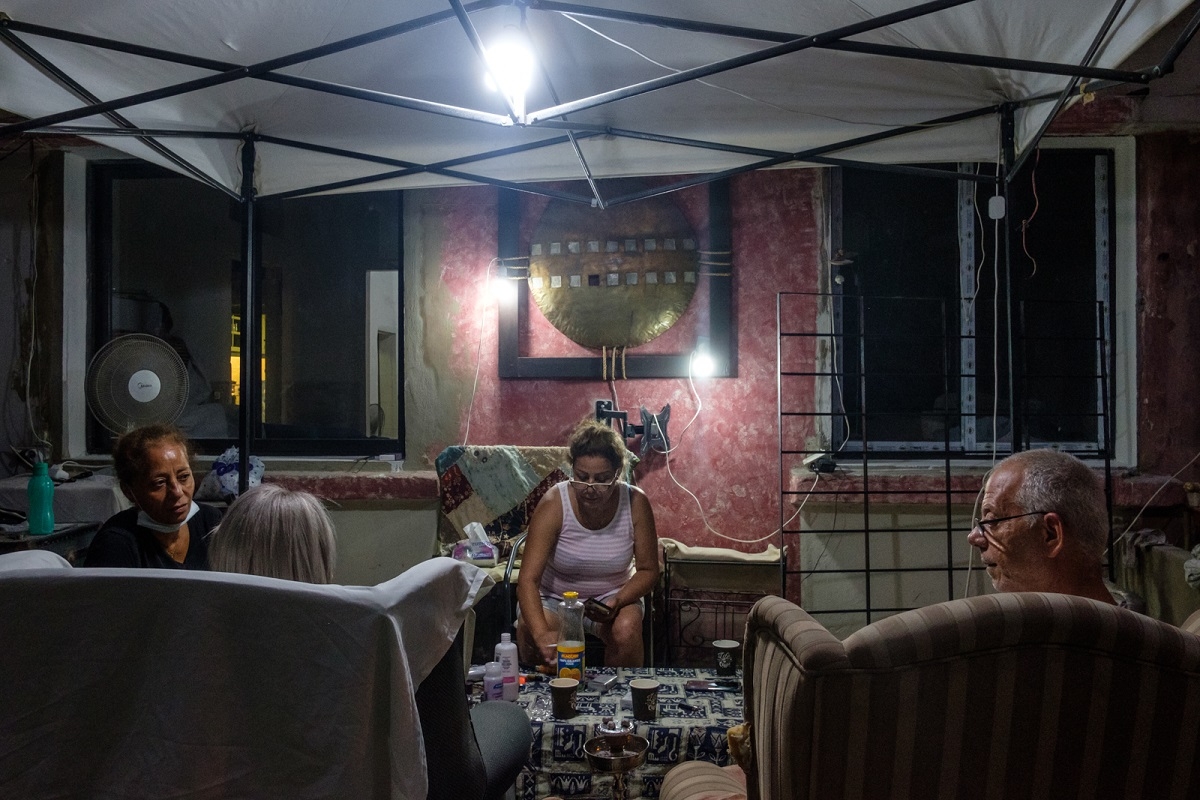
<point>481,554</point>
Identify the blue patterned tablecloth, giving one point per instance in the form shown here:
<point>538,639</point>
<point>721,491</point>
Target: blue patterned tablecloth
<point>559,767</point>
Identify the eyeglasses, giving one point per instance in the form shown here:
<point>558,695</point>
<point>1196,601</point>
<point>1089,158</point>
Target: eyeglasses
<point>982,524</point>
<point>592,486</point>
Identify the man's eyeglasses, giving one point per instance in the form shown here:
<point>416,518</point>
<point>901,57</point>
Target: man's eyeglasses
<point>982,524</point>
<point>593,486</point>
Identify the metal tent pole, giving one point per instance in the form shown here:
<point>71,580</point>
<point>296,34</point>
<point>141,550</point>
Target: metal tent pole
<point>247,419</point>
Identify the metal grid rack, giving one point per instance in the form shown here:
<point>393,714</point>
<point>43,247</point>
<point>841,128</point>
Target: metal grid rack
<point>874,540</point>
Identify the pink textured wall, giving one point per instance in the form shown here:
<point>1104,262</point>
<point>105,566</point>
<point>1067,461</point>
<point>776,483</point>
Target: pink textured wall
<point>729,456</point>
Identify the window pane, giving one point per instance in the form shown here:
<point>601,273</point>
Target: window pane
<point>168,259</point>
<point>325,333</point>
<point>1059,253</point>
<point>173,244</point>
<point>926,355</point>
<point>900,321</point>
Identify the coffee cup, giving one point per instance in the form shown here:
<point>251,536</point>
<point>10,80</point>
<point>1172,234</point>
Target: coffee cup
<point>726,656</point>
<point>562,697</point>
<point>645,698</point>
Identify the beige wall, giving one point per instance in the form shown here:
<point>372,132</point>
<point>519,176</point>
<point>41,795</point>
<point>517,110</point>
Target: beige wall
<point>378,541</point>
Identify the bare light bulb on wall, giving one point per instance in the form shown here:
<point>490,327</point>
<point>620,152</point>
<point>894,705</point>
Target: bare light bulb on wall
<point>503,288</point>
<point>702,364</point>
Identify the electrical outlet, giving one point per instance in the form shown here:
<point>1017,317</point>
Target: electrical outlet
<point>823,465</point>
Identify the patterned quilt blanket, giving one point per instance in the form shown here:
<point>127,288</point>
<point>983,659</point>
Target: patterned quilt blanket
<point>497,486</point>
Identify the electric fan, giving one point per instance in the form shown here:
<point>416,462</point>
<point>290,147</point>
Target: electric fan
<point>135,380</point>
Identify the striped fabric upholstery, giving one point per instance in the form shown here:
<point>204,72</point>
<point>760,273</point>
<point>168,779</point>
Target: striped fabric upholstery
<point>1021,695</point>
<point>703,780</point>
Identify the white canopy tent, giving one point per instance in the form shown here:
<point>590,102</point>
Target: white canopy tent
<point>371,95</point>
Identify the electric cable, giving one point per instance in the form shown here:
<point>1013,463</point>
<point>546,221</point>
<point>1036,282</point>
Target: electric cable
<point>975,514</point>
<point>799,112</point>
<point>33,253</point>
<point>478,354</point>
<point>1037,156</point>
<point>703,516</point>
<point>825,548</point>
<point>837,380</point>
<point>1146,505</point>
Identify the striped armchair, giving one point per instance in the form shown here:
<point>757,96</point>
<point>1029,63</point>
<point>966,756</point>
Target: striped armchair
<point>1021,695</point>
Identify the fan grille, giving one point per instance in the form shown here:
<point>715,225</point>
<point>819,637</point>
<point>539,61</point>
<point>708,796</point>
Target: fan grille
<point>136,380</point>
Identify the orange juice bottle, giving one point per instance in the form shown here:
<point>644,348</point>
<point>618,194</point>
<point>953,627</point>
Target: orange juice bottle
<point>570,637</point>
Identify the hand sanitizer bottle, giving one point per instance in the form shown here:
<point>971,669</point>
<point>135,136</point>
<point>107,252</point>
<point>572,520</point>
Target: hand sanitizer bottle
<point>493,681</point>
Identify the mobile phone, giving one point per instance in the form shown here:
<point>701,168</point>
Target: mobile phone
<point>597,610</point>
<point>701,685</point>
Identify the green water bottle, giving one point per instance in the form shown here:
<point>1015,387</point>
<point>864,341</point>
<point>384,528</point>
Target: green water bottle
<point>41,501</point>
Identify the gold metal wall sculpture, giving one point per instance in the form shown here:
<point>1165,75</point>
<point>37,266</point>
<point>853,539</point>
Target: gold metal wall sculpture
<point>613,278</point>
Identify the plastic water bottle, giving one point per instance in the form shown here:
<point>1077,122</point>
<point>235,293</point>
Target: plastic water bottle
<point>570,637</point>
<point>493,681</point>
<point>506,654</point>
<point>41,501</point>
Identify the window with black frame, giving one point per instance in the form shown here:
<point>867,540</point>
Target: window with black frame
<point>924,362</point>
<point>166,261</point>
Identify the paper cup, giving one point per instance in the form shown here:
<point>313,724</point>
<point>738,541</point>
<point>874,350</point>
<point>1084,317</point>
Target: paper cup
<point>726,656</point>
<point>645,698</point>
<point>562,697</point>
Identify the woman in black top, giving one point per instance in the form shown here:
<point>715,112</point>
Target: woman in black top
<point>164,529</point>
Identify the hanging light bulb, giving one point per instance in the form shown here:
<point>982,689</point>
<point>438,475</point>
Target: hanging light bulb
<point>510,60</point>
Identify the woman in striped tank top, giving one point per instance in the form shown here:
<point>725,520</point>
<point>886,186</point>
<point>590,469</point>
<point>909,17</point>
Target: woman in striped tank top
<point>593,535</point>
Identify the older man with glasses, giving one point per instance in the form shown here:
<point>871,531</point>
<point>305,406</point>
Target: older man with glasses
<point>1043,526</point>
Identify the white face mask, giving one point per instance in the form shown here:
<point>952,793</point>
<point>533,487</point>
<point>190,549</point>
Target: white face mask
<point>145,521</point>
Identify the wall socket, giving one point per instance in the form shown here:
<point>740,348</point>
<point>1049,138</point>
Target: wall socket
<point>820,462</point>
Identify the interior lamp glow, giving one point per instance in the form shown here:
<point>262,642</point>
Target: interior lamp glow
<point>702,364</point>
<point>511,62</point>
<point>503,286</point>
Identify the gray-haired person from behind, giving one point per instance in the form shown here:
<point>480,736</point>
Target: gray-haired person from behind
<point>277,533</point>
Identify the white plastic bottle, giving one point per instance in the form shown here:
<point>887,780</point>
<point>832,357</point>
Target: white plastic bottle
<point>493,681</point>
<point>506,654</point>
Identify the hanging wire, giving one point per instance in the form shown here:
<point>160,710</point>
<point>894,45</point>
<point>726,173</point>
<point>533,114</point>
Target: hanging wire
<point>1146,505</point>
<point>38,439</point>
<point>1037,156</point>
<point>478,352</point>
<point>699,506</point>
